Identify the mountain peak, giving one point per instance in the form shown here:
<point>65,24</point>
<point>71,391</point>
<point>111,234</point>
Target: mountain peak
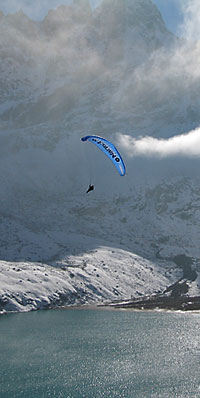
<point>19,20</point>
<point>82,4</point>
<point>130,29</point>
<point>134,12</point>
<point>78,12</point>
<point>18,15</point>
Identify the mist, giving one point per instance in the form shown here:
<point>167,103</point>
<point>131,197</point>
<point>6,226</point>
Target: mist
<point>190,28</point>
<point>81,72</point>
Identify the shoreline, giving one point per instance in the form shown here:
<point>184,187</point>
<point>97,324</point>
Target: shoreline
<point>147,304</point>
<point>162,302</point>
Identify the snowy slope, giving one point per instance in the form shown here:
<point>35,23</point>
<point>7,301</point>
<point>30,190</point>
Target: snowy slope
<point>96,276</point>
<point>101,72</point>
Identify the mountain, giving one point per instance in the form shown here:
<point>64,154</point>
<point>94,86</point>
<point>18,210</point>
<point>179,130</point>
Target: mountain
<point>110,70</point>
<point>73,44</point>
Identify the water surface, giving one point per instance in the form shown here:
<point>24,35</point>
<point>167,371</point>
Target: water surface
<point>98,353</point>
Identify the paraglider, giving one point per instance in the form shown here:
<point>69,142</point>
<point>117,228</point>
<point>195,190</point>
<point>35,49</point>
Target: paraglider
<point>90,188</point>
<point>110,150</point>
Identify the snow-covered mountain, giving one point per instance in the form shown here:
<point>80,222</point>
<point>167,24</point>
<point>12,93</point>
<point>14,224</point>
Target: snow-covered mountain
<point>103,71</point>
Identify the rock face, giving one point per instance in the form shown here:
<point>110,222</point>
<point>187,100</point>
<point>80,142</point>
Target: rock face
<point>113,69</point>
<point>69,48</point>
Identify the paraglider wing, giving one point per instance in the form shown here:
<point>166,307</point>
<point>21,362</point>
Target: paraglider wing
<point>109,149</point>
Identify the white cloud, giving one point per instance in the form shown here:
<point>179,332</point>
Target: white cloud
<point>180,145</point>
<point>191,24</point>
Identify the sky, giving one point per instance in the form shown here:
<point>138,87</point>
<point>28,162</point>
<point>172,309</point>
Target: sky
<point>171,10</point>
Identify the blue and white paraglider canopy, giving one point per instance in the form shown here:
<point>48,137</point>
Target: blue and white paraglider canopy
<point>110,150</point>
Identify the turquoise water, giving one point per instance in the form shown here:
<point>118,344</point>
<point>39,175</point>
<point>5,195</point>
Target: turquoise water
<point>99,353</point>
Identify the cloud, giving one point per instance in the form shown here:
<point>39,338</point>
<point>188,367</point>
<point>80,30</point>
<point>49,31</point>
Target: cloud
<point>180,145</point>
<point>158,81</point>
<point>191,23</point>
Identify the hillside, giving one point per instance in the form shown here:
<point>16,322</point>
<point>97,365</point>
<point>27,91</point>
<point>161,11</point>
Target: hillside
<point>112,70</point>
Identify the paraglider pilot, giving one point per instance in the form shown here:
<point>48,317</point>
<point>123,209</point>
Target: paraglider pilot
<point>90,188</point>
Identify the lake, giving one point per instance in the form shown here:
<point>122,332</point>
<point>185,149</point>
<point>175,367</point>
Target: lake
<point>93,353</point>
